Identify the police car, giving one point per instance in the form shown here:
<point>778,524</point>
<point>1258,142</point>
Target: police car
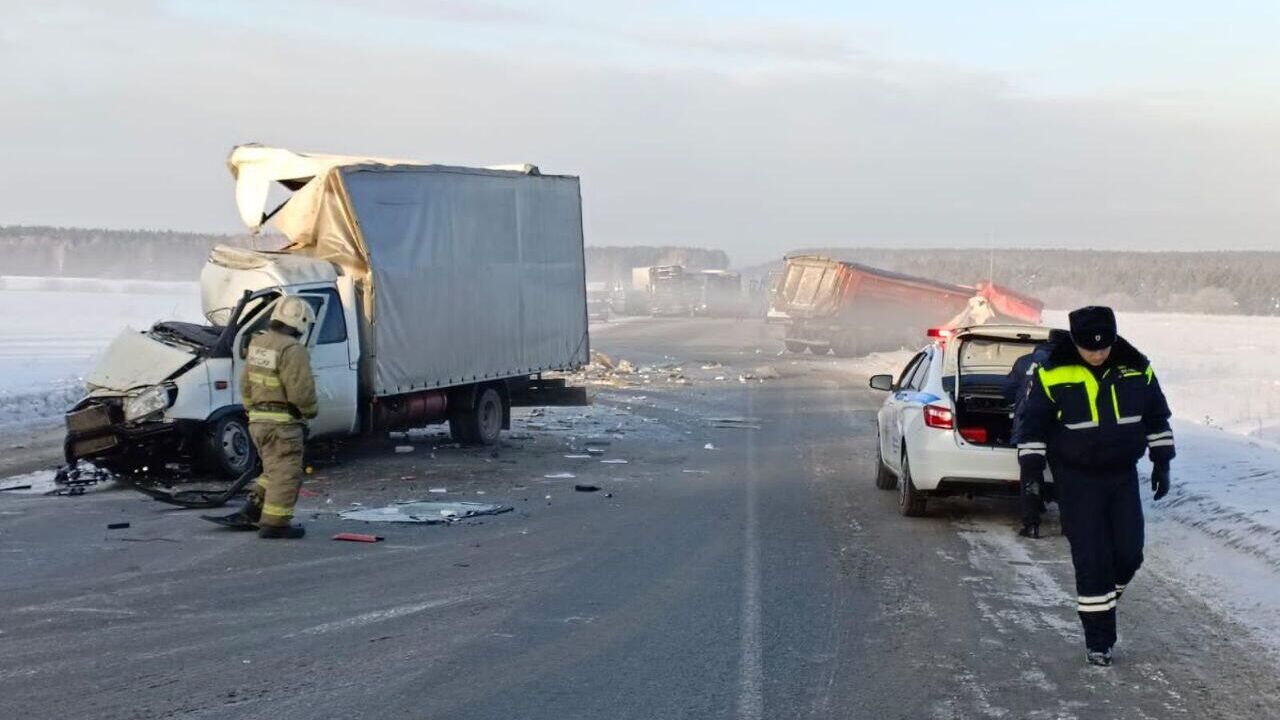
<point>945,427</point>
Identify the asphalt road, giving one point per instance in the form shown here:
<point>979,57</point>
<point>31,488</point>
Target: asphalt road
<point>763,578</point>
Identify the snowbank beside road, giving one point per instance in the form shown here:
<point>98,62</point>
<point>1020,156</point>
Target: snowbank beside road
<point>52,329</point>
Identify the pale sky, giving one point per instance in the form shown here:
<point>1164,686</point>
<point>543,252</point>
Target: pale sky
<point>750,127</point>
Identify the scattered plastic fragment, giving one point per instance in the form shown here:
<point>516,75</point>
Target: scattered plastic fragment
<point>708,446</point>
<point>117,526</point>
<point>560,476</point>
<point>358,537</point>
<point>614,461</point>
<point>576,456</point>
<point>16,487</point>
<point>438,491</point>
<point>402,449</point>
<point>416,511</point>
<point>735,423</point>
<point>696,472</point>
<point>595,451</point>
<point>585,488</point>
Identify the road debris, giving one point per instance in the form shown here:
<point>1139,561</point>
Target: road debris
<point>576,456</point>
<point>424,512</point>
<point>586,488</point>
<point>438,491</point>
<point>560,476</point>
<point>403,449</point>
<point>614,461</point>
<point>696,472</point>
<point>118,526</point>
<point>708,446</point>
<point>734,423</point>
<point>16,487</point>
<point>358,537</point>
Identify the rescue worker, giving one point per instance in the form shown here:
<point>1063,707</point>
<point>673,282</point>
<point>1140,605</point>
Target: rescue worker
<point>1091,410</point>
<point>279,393</point>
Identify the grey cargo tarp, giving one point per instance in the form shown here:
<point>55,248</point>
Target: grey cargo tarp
<point>475,273</point>
<point>464,274</point>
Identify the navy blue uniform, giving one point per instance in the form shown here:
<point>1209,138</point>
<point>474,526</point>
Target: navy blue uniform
<point>1091,425</point>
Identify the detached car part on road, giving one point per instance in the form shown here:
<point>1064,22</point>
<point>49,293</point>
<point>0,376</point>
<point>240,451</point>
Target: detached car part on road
<point>441,294</point>
<point>945,428</point>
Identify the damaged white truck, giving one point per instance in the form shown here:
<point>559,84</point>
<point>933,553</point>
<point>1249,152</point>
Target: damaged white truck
<point>442,294</point>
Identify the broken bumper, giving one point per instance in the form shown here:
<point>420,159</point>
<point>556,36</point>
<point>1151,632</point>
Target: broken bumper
<point>96,432</point>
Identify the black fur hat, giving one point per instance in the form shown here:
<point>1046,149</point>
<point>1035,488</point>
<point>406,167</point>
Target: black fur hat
<point>1093,327</point>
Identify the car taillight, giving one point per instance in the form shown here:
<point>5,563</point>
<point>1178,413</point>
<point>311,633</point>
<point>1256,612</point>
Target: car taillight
<point>974,435</point>
<point>936,416</point>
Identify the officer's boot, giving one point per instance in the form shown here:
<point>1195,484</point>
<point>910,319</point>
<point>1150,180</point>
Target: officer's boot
<point>246,518</point>
<point>281,532</point>
<point>1099,657</point>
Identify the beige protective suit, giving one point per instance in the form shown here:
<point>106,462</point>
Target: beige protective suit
<point>279,393</point>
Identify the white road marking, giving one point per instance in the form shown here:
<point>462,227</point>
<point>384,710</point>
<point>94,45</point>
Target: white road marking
<point>376,616</point>
<point>751,665</point>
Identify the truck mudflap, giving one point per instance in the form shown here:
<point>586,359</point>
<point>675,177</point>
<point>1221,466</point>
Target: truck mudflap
<point>546,392</point>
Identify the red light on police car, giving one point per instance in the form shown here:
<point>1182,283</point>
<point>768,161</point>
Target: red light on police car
<point>936,416</point>
<point>941,333</point>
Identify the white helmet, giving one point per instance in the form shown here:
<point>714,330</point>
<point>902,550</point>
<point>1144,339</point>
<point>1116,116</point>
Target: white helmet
<point>294,312</point>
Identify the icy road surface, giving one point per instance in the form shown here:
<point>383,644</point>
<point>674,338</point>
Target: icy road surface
<point>721,572</point>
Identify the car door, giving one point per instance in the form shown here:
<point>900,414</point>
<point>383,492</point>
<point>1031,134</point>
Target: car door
<point>336,381</point>
<point>890,414</point>
<point>911,399</point>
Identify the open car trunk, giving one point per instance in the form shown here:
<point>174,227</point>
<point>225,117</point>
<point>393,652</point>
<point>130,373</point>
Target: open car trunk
<point>986,387</point>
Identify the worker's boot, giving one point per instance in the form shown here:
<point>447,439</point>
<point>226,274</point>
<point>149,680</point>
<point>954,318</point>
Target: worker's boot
<point>246,518</point>
<point>1101,658</point>
<point>281,532</point>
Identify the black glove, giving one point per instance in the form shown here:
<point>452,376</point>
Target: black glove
<point>1032,500</point>
<point>1160,479</point>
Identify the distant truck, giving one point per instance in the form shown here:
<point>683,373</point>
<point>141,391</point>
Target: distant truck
<point>669,291</point>
<point>599,301</point>
<point>635,297</point>
<point>851,309</point>
<point>441,294</point>
<point>717,293</point>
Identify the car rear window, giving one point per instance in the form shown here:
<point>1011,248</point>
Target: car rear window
<point>992,356</point>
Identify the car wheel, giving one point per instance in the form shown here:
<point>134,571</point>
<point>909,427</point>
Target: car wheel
<point>230,449</point>
<point>819,349</point>
<point>793,346</point>
<point>910,500</point>
<point>885,479</point>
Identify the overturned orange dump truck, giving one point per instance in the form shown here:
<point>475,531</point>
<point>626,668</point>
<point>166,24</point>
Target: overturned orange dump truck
<point>851,309</point>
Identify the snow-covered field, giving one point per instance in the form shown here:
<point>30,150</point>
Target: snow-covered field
<point>52,329</point>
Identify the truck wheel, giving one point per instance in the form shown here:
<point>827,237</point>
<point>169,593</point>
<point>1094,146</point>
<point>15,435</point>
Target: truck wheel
<point>845,346</point>
<point>885,479</point>
<point>819,349</point>
<point>793,346</point>
<point>230,450</point>
<point>910,501</point>
<point>482,424</point>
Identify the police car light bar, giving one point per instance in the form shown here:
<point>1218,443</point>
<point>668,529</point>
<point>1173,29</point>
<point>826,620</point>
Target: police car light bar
<point>941,333</point>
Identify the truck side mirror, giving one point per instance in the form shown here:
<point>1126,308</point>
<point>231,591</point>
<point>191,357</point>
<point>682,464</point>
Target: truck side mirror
<point>881,382</point>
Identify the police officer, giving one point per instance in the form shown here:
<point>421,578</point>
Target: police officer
<point>1033,495</point>
<point>1091,410</point>
<point>279,392</point>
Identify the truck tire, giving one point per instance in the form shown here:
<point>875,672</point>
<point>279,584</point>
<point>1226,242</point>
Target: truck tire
<point>481,424</point>
<point>794,346</point>
<point>229,450</point>
<point>910,501</point>
<point>885,479</point>
<point>819,349</point>
<point>845,346</point>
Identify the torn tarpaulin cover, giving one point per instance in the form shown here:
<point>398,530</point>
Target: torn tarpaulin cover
<point>415,511</point>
